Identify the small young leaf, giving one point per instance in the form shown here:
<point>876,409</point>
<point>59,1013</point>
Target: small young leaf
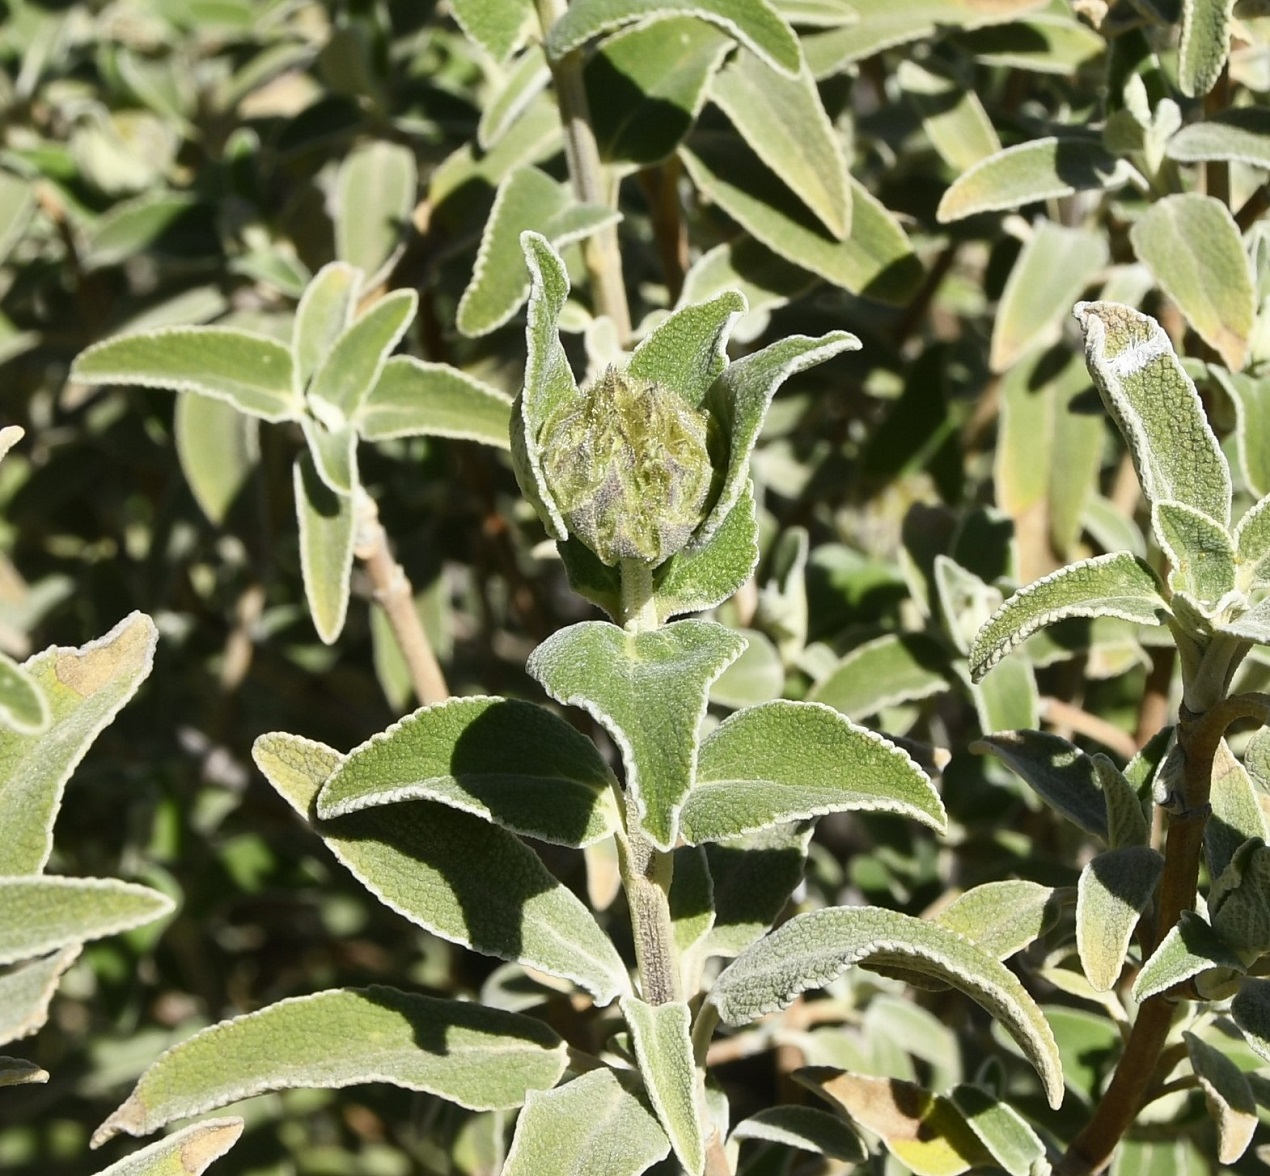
<point>498,26</point>
<point>324,314</point>
<point>25,993</point>
<point>687,350</point>
<point>508,762</point>
<point>84,689</point>
<point>1196,252</point>
<point>887,671</point>
<point>1240,134</point>
<point>1251,1011</point>
<point>1228,1096</point>
<point>806,1129</point>
<point>413,398</point>
<point>592,1124</point>
<point>1007,699</point>
<point>1201,552</point>
<point>327,522</point>
<point>1000,1128</point>
<point>1115,585</point>
<point>1126,822</point>
<point>1060,773</point>
<point>478,1057</point>
<point>334,455</point>
<point>1190,947</point>
<point>253,373</point>
<point>1237,814</point>
<point>1040,169</point>
<point>454,874</point>
<point>218,448</point>
<point>1239,900</point>
<point>952,115</point>
<point>811,949</point>
<point>187,1152</point>
<point>649,691</point>
<point>42,914</point>
<point>754,23</point>
<point>663,1049</point>
<point>374,197</point>
<point>523,81</point>
<point>1114,889</point>
<point>1205,44</point>
<point>786,761</point>
<point>1252,547</point>
<point>23,706</point>
<point>1001,918</point>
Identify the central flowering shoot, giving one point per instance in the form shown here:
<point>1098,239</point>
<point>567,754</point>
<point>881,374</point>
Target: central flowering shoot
<point>628,465</point>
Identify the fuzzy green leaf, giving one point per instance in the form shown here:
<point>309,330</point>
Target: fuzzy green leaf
<point>1252,547</point>
<point>508,762</point>
<point>1126,822</point>
<point>413,398</point>
<point>1238,135</point>
<point>1251,398</point>
<point>806,1129</point>
<point>528,199</point>
<point>1205,44</point>
<point>324,314</point>
<point>887,671</point>
<point>1113,890</point>
<point>334,455</point>
<point>756,677</point>
<point>592,1124</point>
<point>17,203</point>
<point>1194,248</point>
<point>25,993</point>
<point>1040,169</point>
<point>691,898</point>
<point>876,261</point>
<point>253,373</point>
<point>42,914</point>
<point>649,691</point>
<point>478,1057</point>
<point>952,115</point>
<point>1239,900</point>
<point>755,23</point>
<point>1061,774</point>
<point>452,873</point>
<point>84,689</point>
<point>374,198</point>
<point>1001,918</point>
<point>1251,1012</point>
<point>1228,1096</point>
<point>687,350</point>
<point>136,226</point>
<point>1200,551</point>
<point>187,1152</point>
<point>663,1050</point>
<point>344,379</point>
<point>752,879</point>
<point>22,703</point>
<point>784,122</point>
<point>498,26</point>
<point>1237,814</point>
<point>1007,699</point>
<point>1000,1128</point>
<point>524,80</point>
<point>1115,585</point>
<point>1190,947</point>
<point>20,1072</point>
<point>811,949</point>
<point>218,448</point>
<point>765,280</point>
<point>327,521</point>
<point>1054,266</point>
<point>1052,41</point>
<point>787,761</point>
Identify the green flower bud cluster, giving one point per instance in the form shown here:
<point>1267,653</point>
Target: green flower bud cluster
<point>627,462</point>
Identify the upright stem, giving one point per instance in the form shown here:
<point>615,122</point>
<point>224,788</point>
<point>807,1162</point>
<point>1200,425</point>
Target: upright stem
<point>639,606</point>
<point>646,877</point>
<point>393,593</point>
<point>603,259</point>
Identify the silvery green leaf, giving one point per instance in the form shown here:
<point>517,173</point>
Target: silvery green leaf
<point>1114,889</point>
<point>1189,948</point>
<point>1237,814</point>
<point>1251,1011</point>
<point>527,200</point>
<point>766,280</point>
<point>1239,901</point>
<point>1110,528</point>
<point>1039,169</point>
<point>805,1128</point>
<point>784,121</point>
<point>25,993</point>
<point>786,761</point>
<point>1251,398</point>
<point>1228,1096</point>
<point>687,350</point>
<point>137,226</point>
<point>1007,699</point>
<point>20,1072</point>
<point>1205,44</point>
<point>324,314</point>
<point>84,689</point>
<point>1126,822</point>
<point>1059,772</point>
<point>591,1124</point>
<point>523,81</point>
<point>413,398</point>
<point>478,1057</point>
<point>811,949</point>
<point>326,520</point>
<point>374,197</point>
<point>1001,918</point>
<point>1252,547</point>
<point>22,703</point>
<point>649,691</point>
<point>498,26</point>
<point>506,761</point>
<point>952,115</point>
<point>452,873</point>
<point>1115,585</point>
<point>344,378</point>
<point>691,900</point>
<point>252,372</point>
<point>1253,625</point>
<point>44,913</point>
<point>755,23</point>
<point>1051,41</point>
<point>218,448</point>
<point>1001,1129</point>
<point>187,1152</point>
<point>1240,134</point>
<point>782,599</point>
<point>1196,252</point>
<point>888,671</point>
<point>334,455</point>
<point>663,1049</point>
<point>752,879</point>
<point>756,677</point>
<point>1200,551</point>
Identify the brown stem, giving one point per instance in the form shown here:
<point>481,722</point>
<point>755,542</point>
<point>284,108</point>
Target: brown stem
<point>393,593</point>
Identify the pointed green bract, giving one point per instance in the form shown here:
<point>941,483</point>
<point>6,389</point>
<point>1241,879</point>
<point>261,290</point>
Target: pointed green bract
<point>187,1152</point>
<point>806,1129</point>
<point>327,522</point>
<point>413,398</point>
<point>1201,552</point>
<point>508,762</point>
<point>755,23</point>
<point>1229,1097</point>
<point>43,914</point>
<point>785,123</point>
<point>324,314</point>
<point>1196,251</point>
<point>452,873</point>
<point>887,671</point>
<point>687,351</point>
<point>649,691</point>
<point>1001,918</point>
<point>1190,947</point>
<point>592,1124</point>
<point>84,689</point>
<point>1115,585</point>
<point>478,1057</point>
<point>343,380</point>
<point>1156,407</point>
<point>1060,773</point>
<point>253,373</point>
<point>25,993</point>
<point>1126,822</point>
<point>752,879</point>
<point>1205,44</point>
<point>1251,1011</point>
<point>811,949</point>
<point>786,761</point>
<point>663,1049</point>
<point>375,196</point>
<point>22,703</point>
<point>1113,890</point>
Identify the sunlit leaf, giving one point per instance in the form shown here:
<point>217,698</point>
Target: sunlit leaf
<point>413,398</point>
<point>1000,1128</point>
<point>25,993</point>
<point>1190,947</point>
<point>187,1152</point>
<point>806,1129</point>
<point>887,671</point>
<point>324,314</point>
<point>1200,551</point>
<point>952,115</point>
<point>1114,889</point>
<point>374,198</point>
<point>498,26</point>
<point>663,1050</point>
<point>1205,44</point>
<point>1001,918</point>
<point>1240,134</point>
<point>326,521</point>
<point>218,449</point>
<point>1228,1096</point>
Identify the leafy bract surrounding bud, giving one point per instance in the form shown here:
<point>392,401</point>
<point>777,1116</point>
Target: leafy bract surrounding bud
<point>628,465</point>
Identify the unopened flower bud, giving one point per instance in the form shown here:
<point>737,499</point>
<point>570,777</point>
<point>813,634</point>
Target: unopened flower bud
<point>628,466</point>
